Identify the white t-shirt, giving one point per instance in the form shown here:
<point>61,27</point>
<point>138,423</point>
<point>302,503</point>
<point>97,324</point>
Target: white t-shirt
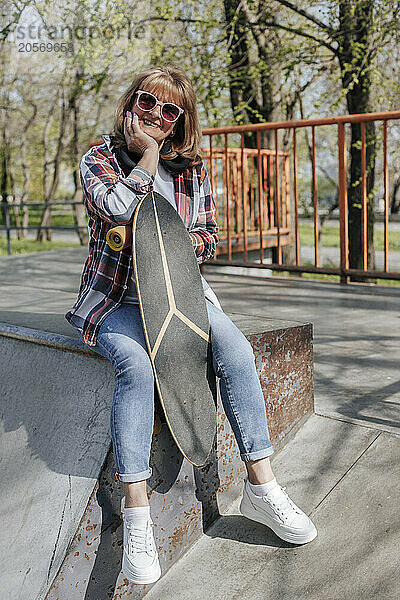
<point>164,184</point>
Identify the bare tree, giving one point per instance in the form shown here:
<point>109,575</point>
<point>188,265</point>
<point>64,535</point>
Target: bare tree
<point>363,28</point>
<point>51,167</point>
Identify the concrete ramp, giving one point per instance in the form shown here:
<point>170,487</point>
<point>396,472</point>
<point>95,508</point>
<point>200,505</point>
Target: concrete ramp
<point>62,531</point>
<point>54,440</point>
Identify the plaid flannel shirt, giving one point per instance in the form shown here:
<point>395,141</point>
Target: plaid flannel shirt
<point>110,199</point>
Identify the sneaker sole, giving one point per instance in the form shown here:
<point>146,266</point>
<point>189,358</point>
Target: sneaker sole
<point>248,511</point>
<point>135,578</point>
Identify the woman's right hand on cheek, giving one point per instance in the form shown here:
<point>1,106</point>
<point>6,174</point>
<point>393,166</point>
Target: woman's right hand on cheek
<point>137,140</point>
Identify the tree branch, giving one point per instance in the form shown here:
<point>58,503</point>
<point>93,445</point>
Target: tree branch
<point>306,15</point>
<point>180,20</point>
<point>297,32</point>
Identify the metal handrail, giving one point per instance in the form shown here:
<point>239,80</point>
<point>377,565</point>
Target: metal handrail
<point>9,206</point>
<point>278,263</point>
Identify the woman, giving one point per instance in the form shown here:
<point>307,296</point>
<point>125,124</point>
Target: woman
<point>155,145</point>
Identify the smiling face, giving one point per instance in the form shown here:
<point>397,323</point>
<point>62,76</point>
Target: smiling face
<point>151,121</point>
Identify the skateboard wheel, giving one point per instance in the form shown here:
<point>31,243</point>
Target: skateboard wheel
<point>117,238</point>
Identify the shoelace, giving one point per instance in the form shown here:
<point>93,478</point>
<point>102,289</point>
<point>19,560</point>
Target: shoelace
<point>281,509</point>
<point>140,540</point>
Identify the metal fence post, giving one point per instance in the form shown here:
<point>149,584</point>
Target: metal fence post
<point>6,215</point>
<point>343,208</point>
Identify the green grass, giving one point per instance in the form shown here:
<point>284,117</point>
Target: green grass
<point>328,277</point>
<point>35,214</point>
<point>330,237</point>
<point>26,246</point>
<point>56,220</point>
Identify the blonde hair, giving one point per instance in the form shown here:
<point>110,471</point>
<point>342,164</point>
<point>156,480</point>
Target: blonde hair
<point>172,79</point>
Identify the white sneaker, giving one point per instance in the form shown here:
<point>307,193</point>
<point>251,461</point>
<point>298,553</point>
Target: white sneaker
<point>140,561</point>
<point>279,513</point>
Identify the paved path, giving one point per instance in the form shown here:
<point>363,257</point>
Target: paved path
<point>342,467</point>
<point>331,257</point>
<point>394,225</point>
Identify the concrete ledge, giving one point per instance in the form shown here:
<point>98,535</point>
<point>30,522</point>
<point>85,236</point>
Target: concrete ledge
<point>58,460</point>
<point>45,338</point>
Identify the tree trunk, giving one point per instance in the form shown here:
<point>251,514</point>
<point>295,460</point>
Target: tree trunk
<point>50,188</point>
<point>253,83</point>
<point>395,201</point>
<point>4,186</point>
<point>78,209</point>
<point>11,181</point>
<point>26,174</point>
<point>354,193</point>
<point>355,21</point>
<point>240,83</point>
<point>253,98</point>
<point>16,201</point>
<point>46,169</point>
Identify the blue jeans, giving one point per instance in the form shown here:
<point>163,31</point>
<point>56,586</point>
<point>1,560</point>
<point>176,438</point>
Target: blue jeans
<point>121,340</point>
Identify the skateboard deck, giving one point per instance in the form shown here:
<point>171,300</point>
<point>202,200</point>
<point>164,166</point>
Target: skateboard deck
<point>176,325</point>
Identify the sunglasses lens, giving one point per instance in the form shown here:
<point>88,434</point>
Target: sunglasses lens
<point>170,112</point>
<point>146,101</point>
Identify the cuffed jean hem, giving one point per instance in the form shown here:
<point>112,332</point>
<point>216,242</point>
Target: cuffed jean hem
<point>257,455</point>
<point>132,477</point>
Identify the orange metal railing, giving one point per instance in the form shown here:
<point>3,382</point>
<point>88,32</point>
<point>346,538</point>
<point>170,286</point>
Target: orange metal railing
<point>244,190</point>
<point>258,207</point>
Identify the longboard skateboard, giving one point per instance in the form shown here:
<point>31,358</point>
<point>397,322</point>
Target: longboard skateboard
<point>175,322</point>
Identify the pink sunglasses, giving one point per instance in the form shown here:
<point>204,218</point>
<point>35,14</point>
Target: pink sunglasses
<point>146,101</point>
